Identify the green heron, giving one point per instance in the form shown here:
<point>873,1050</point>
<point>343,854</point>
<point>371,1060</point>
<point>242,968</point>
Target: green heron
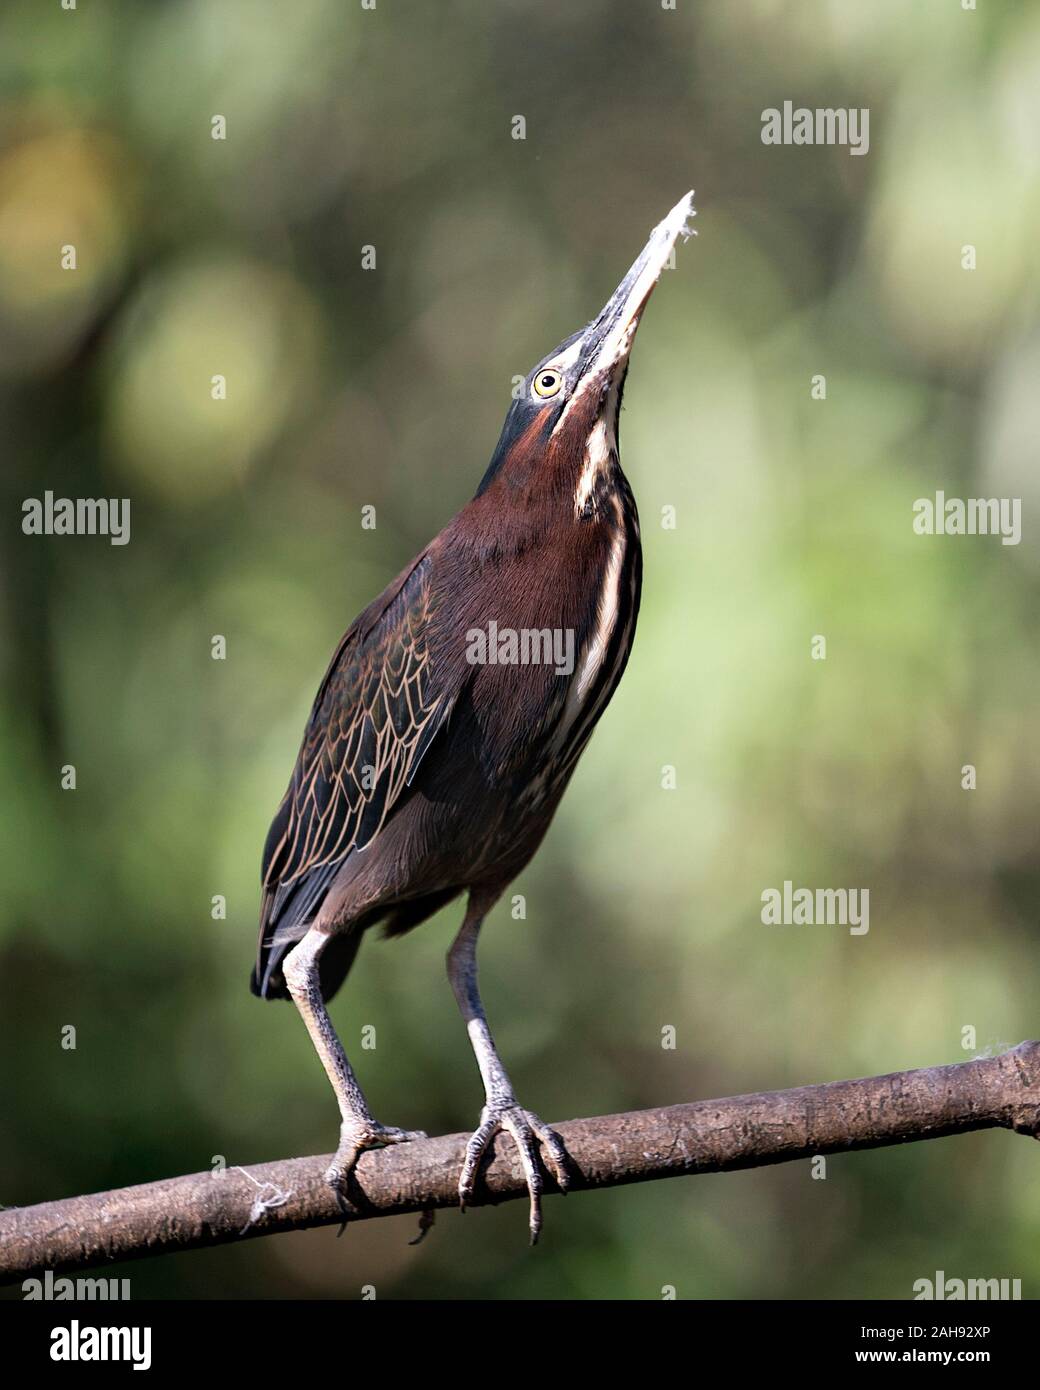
<point>452,715</point>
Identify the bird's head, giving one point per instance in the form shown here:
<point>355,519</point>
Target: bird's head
<point>563,423</point>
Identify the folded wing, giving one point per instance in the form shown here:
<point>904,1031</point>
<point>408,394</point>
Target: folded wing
<point>375,715</point>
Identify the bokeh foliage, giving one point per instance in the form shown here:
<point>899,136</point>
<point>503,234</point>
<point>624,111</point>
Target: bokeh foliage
<point>386,388</point>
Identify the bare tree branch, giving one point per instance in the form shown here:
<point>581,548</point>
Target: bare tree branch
<point>705,1137</point>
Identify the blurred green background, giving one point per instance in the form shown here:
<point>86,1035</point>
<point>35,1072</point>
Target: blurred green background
<point>386,387</point>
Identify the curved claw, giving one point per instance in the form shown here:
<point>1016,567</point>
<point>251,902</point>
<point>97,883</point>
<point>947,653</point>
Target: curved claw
<point>526,1131</point>
<point>426,1220</point>
<point>352,1144</point>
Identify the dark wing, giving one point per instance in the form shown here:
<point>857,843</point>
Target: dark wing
<point>375,714</point>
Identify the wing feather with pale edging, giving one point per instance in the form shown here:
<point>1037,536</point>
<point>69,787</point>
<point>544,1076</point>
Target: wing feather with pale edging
<point>375,715</point>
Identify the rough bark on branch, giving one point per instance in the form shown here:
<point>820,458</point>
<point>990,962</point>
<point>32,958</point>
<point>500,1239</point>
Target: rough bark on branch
<point>707,1136</point>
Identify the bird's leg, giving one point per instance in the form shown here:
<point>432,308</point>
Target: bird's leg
<point>358,1130</point>
<point>501,1110</point>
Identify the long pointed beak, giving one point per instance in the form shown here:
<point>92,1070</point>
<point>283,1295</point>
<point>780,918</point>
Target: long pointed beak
<point>608,340</point>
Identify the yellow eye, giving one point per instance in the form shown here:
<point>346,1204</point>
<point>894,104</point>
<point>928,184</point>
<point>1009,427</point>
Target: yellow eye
<point>547,382</point>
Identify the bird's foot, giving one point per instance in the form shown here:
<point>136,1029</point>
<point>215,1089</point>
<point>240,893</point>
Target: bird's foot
<point>354,1139</point>
<point>527,1131</point>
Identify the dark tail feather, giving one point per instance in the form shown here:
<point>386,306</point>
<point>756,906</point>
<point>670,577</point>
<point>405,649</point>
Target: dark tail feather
<point>267,980</point>
<point>286,913</point>
<point>333,968</point>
